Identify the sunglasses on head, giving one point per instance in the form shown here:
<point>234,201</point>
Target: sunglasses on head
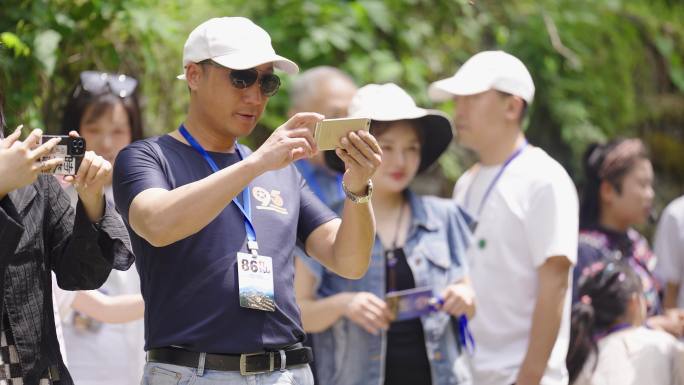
<point>269,83</point>
<point>102,82</point>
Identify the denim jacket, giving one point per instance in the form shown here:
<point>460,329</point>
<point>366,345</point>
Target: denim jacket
<point>345,354</point>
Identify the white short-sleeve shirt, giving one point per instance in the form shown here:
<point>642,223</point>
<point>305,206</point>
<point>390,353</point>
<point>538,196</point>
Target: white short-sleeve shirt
<point>531,214</point>
<point>669,246</point>
<point>635,356</point>
<point>111,354</point>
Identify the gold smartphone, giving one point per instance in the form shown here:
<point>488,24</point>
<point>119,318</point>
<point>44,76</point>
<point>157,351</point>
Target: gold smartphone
<point>329,131</point>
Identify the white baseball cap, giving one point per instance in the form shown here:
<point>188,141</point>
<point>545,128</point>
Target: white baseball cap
<point>487,70</point>
<point>233,42</point>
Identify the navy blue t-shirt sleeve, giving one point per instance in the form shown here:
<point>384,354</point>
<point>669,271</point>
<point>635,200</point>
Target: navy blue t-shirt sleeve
<point>312,211</point>
<point>137,168</point>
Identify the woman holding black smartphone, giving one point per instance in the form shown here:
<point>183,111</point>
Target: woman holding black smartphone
<point>40,233</point>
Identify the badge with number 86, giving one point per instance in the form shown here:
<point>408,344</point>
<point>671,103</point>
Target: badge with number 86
<point>255,266</point>
<point>255,279</point>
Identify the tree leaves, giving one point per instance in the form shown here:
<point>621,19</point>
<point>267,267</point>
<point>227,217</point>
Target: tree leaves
<point>12,42</point>
<point>607,68</point>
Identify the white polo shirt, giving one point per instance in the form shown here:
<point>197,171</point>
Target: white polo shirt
<point>531,214</point>
<point>669,246</point>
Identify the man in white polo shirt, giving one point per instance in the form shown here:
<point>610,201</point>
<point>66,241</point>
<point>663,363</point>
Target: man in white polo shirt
<point>526,209</point>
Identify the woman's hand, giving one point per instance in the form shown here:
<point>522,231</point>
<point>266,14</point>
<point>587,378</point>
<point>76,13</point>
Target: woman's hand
<point>20,161</point>
<point>92,176</point>
<point>369,312</point>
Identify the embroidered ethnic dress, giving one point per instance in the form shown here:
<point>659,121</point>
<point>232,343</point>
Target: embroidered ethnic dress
<point>596,244</point>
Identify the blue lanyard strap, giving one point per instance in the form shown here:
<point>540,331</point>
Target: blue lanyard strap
<point>493,182</point>
<point>464,335</point>
<point>246,210</point>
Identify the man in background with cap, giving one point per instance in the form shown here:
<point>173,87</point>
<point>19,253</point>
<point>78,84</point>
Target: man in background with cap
<point>525,241</point>
<point>214,225</point>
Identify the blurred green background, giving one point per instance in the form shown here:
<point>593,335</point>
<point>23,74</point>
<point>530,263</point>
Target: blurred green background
<point>602,68</point>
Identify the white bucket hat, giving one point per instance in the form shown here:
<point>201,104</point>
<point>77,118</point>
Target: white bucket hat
<point>387,103</point>
<point>233,42</point>
<point>487,70</point>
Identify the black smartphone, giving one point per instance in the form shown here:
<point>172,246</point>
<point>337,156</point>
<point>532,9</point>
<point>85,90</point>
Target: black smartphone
<point>70,149</point>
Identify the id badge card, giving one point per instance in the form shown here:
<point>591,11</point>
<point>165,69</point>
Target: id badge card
<point>255,280</point>
<point>410,304</point>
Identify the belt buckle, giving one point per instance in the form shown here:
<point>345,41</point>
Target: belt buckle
<point>243,363</point>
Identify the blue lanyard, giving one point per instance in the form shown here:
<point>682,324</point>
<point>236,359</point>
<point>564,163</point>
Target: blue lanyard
<point>309,175</point>
<point>464,335</point>
<point>493,182</point>
<point>246,210</point>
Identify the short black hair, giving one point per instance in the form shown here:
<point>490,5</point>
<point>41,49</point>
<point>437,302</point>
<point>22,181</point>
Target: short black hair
<point>523,112</point>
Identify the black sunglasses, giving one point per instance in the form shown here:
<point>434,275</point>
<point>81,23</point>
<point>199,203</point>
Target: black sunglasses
<point>103,82</point>
<point>269,83</point>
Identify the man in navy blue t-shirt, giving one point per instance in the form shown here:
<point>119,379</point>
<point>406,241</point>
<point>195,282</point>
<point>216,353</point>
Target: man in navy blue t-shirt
<point>214,225</point>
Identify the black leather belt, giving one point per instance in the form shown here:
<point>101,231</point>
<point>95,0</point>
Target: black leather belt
<point>251,363</point>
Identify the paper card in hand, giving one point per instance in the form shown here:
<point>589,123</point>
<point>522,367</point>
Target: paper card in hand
<point>410,304</point>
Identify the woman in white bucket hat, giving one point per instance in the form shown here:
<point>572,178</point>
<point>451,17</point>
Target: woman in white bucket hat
<point>361,333</point>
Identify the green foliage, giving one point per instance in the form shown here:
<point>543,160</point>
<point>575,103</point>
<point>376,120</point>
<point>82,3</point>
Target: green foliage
<point>602,68</point>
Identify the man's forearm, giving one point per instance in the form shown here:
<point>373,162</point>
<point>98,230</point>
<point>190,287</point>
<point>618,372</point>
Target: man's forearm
<point>545,326</point>
<point>546,320</point>
<point>163,217</point>
<point>354,242</point>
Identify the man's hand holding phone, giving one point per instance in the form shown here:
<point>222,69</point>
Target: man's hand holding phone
<point>353,143</point>
<point>361,154</point>
<point>288,143</point>
<point>307,132</point>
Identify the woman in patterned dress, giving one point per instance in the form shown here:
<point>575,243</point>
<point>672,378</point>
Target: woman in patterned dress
<point>618,194</point>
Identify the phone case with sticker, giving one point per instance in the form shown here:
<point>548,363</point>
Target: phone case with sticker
<point>70,149</point>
